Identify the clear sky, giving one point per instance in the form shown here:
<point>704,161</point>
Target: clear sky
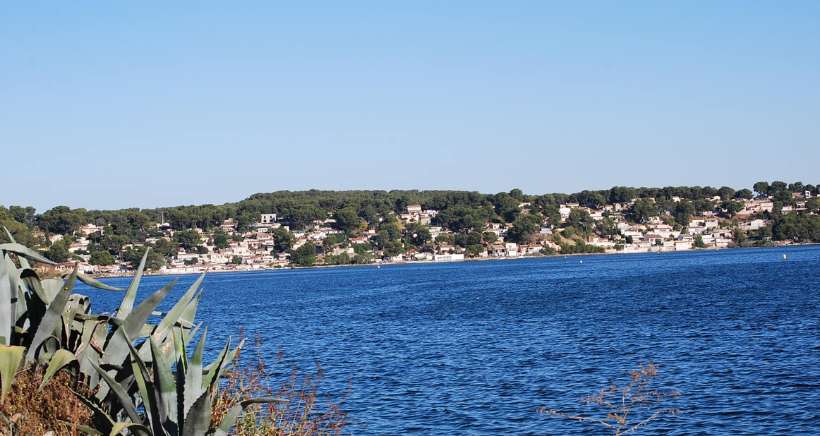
<point>120,104</point>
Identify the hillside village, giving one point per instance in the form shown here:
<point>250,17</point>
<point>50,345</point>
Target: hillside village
<point>417,233</point>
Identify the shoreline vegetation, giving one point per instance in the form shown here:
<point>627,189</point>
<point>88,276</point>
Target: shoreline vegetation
<point>287,229</point>
<point>431,262</point>
<point>66,370</point>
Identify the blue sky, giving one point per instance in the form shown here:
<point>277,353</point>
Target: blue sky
<point>109,105</point>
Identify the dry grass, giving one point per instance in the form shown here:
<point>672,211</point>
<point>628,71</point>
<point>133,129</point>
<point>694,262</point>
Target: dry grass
<point>628,408</point>
<point>28,411</point>
<point>297,410</point>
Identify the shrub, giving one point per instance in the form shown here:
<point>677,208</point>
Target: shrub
<point>626,408</point>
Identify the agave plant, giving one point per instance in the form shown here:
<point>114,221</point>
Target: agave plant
<point>123,355</point>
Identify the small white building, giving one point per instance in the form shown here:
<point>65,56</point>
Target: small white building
<point>267,218</point>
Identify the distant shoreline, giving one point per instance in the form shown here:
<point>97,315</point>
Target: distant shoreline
<point>429,262</point>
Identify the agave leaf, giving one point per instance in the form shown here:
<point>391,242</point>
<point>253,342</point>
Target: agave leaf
<point>85,429</point>
<point>22,250</point>
<point>212,369</point>
<point>179,375</point>
<point>177,311</point>
<point>122,395</point>
<point>198,418</point>
<point>6,318</point>
<point>51,287</point>
<point>59,360</point>
<point>187,335</point>
<point>52,317</point>
<point>164,381</point>
<point>193,377</point>
<point>116,350</point>
<point>228,421</point>
<point>90,349</point>
<point>94,283</point>
<point>102,421</point>
<point>189,315</point>
<point>151,399</point>
<point>22,305</point>
<point>131,294</point>
<point>137,429</point>
<point>23,261</point>
<point>14,295</point>
<point>137,318</point>
<point>10,358</point>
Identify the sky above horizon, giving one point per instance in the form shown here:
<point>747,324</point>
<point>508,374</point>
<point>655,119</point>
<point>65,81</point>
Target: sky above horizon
<point>110,105</point>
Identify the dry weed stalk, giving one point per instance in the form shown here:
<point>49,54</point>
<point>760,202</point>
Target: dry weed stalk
<point>298,411</point>
<point>627,408</point>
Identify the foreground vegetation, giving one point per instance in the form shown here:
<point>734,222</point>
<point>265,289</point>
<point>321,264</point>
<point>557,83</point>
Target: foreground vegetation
<point>66,370</point>
<point>626,408</point>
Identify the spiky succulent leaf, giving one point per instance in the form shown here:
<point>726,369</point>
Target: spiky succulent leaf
<point>22,250</point>
<point>131,293</point>
<point>6,318</point>
<point>103,422</point>
<point>193,377</point>
<point>121,393</point>
<point>198,419</point>
<point>173,315</point>
<point>59,360</point>
<point>164,381</point>
<point>116,350</point>
<point>228,421</point>
<point>211,371</point>
<point>94,283</point>
<point>151,399</point>
<point>135,429</point>
<point>52,318</point>
<point>10,358</point>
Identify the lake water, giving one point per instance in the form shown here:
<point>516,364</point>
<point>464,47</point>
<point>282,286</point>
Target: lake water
<point>477,347</point>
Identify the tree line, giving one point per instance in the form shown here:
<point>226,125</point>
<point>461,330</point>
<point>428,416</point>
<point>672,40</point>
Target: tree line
<point>464,213</point>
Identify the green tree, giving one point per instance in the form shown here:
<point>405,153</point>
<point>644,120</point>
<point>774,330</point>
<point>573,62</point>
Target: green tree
<point>347,220</point>
<point>445,239</point>
<point>101,257</point>
<point>744,194</point>
<point>60,220</point>
<point>416,235</point>
<point>642,210</point>
<point>581,221</point>
<point>282,240</point>
<point>524,228</point>
<point>553,214</point>
<point>19,230</point>
<point>762,188</point>
<point>187,239</point>
<point>305,255</point>
<point>726,193</point>
<point>731,208</point>
<point>133,255</point>
<point>393,248</point>
<point>698,242</point>
<point>221,240</point>
<point>683,212</point>
<point>58,252</point>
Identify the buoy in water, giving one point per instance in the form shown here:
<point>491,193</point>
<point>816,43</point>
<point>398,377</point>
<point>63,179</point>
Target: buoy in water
<point>785,257</point>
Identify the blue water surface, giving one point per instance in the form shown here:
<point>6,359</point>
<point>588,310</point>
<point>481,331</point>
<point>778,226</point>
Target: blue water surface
<point>478,347</point>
